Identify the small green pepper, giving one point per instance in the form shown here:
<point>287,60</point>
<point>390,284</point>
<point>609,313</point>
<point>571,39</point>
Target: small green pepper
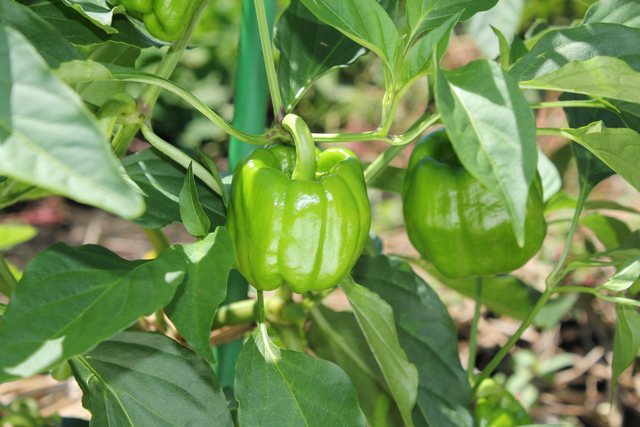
<point>164,19</point>
<point>456,222</point>
<point>496,407</point>
<point>297,214</point>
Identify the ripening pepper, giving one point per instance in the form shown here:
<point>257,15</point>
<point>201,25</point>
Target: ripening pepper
<point>458,223</point>
<point>164,19</point>
<point>297,214</point>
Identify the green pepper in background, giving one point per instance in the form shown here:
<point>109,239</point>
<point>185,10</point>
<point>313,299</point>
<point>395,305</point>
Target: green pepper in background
<point>456,222</point>
<point>297,214</point>
<point>496,407</point>
<point>164,19</point>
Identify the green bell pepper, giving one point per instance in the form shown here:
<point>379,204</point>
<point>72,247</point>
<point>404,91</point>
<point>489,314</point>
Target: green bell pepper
<point>164,19</point>
<point>496,407</point>
<point>459,224</point>
<point>297,214</point>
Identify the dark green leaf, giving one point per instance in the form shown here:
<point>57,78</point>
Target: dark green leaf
<point>559,47</point>
<point>610,231</point>
<point>147,379</point>
<point>277,387</point>
<point>565,201</point>
<point>336,336</point>
<point>419,61</point>
<point>192,214</point>
<point>72,298</point>
<point>56,142</point>
<point>425,14</point>
<point>79,31</point>
<point>14,234</point>
<point>492,130</point>
<point>364,21</point>
<point>518,50</point>
<point>196,300</point>
<point>629,112</point>
<point>376,320</point>
<point>626,341</point>
<point>428,334</point>
<point>625,12</point>
<point>44,36</point>
<point>160,180</point>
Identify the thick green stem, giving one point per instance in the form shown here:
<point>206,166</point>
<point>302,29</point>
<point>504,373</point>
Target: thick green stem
<point>552,279</point>
<point>123,138</point>
<point>474,330</point>
<point>512,341</point>
<point>594,292</point>
<point>7,275</point>
<point>591,103</point>
<point>267,52</point>
<point>261,312</point>
<point>306,167</point>
<point>236,313</point>
<point>157,238</point>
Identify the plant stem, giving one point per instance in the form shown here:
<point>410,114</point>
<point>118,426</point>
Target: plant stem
<point>594,292</point>
<point>474,330</point>
<point>305,169</point>
<point>269,63</point>
<point>123,138</point>
<point>584,193</point>
<point>591,103</point>
<point>290,337</point>
<point>261,314</point>
<point>7,275</point>
<point>514,338</point>
<point>236,313</point>
<point>157,238</point>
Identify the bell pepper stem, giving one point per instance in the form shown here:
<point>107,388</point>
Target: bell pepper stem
<point>473,335</point>
<point>113,108</point>
<point>267,52</point>
<point>512,341</point>
<point>261,313</point>
<point>305,169</point>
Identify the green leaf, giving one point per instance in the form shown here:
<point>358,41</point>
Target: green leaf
<point>565,201</point>
<point>626,275</point>
<point>518,50</point>
<point>625,12</point>
<point>99,12</point>
<point>310,49</point>
<point>14,234</point>
<point>505,17</point>
<point>376,320</point>
<point>427,333</point>
<point>425,14</point>
<point>123,55</point>
<point>619,149</point>
<point>5,287</point>
<point>557,48</point>
<point>492,130</point>
<point>44,37</point>
<point>550,176</point>
<point>503,46</point>
<point>277,387</point>
<point>160,181</point>
<point>390,179</point>
<point>626,342</point>
<point>78,30</point>
<point>44,112</point>
<point>71,298</point>
<point>419,61</point>
<point>364,21</point>
<point>147,379</point>
<point>336,336</point>
<point>602,76</point>
<point>610,231</point>
<point>196,300</point>
<point>191,212</point>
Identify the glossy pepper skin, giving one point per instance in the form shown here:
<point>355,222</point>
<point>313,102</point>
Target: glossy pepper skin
<point>164,19</point>
<point>456,222</point>
<point>305,224</point>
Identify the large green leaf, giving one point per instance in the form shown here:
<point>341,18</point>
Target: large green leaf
<point>364,21</point>
<point>55,141</point>
<point>277,387</point>
<point>196,300</point>
<point>54,48</point>
<point>71,298</point>
<point>78,30</point>
<point>505,17</point>
<point>160,180</point>
<point>192,213</point>
<point>559,47</point>
<point>336,336</point>
<point>625,12</point>
<point>425,14</point>
<point>492,130</point>
<point>626,341</point>
<point>376,320</point>
<point>147,379</point>
<point>428,334</point>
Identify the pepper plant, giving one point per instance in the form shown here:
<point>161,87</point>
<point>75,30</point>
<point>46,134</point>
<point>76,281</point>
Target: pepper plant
<point>292,218</point>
